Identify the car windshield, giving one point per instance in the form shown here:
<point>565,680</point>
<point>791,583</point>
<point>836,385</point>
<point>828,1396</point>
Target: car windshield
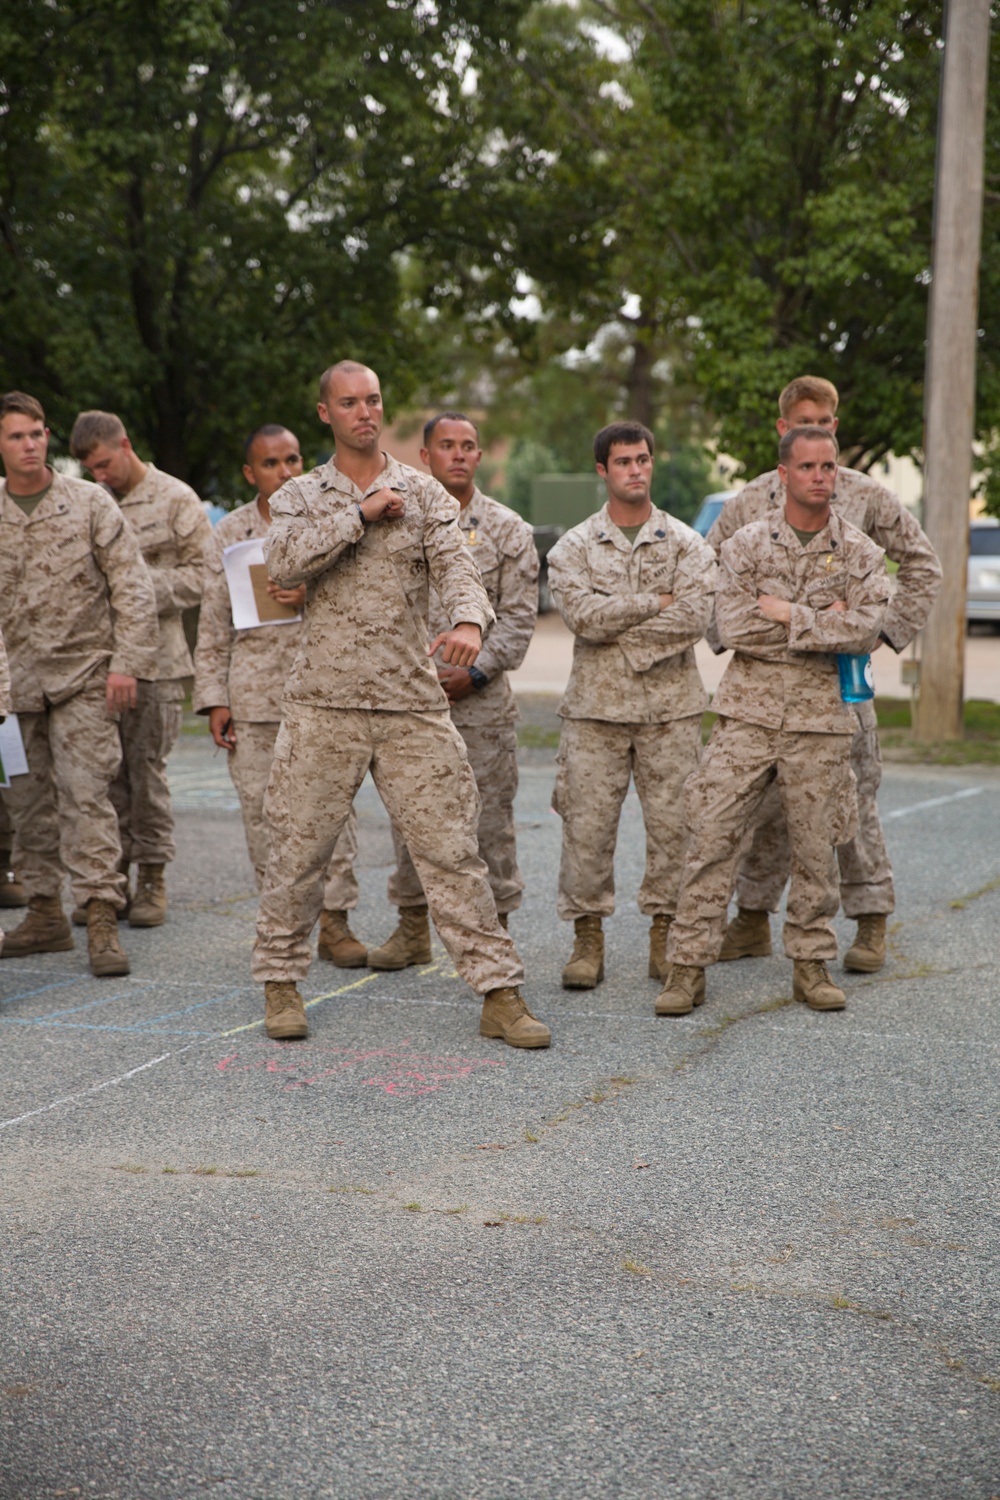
<point>984,541</point>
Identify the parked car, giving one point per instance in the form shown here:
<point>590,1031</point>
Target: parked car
<point>709,509</point>
<point>983,588</point>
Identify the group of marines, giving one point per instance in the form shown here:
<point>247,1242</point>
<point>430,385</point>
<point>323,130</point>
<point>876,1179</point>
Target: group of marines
<point>417,595</point>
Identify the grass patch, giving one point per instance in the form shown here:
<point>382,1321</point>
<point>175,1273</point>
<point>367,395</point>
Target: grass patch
<point>353,1187</point>
<point>984,890</point>
<point>981,745</point>
<point>132,1167</point>
<point>534,737</point>
<point>635,1268</point>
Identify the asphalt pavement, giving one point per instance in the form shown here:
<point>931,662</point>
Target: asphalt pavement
<point>750,1253</point>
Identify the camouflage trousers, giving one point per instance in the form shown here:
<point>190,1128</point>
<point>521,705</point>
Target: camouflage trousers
<point>419,766</point>
<point>249,767</point>
<point>815,783</point>
<point>140,793</point>
<point>492,755</point>
<point>6,829</point>
<point>596,761</point>
<point>61,810</point>
<point>866,884</point>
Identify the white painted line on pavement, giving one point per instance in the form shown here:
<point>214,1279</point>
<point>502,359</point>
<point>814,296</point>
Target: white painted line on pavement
<point>97,1087</point>
<point>904,812</point>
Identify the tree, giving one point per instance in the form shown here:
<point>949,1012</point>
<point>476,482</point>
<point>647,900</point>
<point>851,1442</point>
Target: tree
<point>747,196</point>
<point>203,202</point>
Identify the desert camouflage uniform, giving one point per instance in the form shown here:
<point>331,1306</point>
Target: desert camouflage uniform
<point>503,547</point>
<point>363,696</point>
<point>634,700</point>
<point>76,601</point>
<point>246,671</point>
<point>172,529</point>
<point>866,886</point>
<point>781,717</point>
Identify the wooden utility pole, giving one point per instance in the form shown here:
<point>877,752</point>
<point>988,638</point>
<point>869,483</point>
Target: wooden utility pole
<point>950,383</point>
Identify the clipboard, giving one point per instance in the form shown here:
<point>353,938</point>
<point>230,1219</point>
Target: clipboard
<point>246,577</point>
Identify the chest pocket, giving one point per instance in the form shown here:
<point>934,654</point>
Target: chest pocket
<point>156,541</point>
<point>487,558</point>
<point>657,569</point>
<point>826,588</point>
<point>609,570</point>
<point>404,549</point>
<point>63,554</point>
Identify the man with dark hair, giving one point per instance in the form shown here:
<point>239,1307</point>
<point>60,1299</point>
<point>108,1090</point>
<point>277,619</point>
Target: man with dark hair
<point>172,528</point>
<point>796,588</point>
<point>621,432</point>
<point>78,614</point>
<point>481,701</point>
<point>240,675</point>
<point>866,885</point>
<point>635,587</point>
<point>369,537</point>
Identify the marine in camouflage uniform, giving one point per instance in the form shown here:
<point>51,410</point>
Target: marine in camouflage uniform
<point>362,695</point>
<point>240,676</point>
<point>787,604</point>
<point>172,529</point>
<point>78,615</point>
<point>866,885</point>
<point>482,703</point>
<point>633,705</point>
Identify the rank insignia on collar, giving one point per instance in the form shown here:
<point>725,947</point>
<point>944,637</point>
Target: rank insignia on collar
<point>829,562</point>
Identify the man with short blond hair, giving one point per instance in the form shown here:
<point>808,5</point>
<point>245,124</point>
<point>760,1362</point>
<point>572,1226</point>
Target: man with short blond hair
<point>866,884</point>
<point>240,675</point>
<point>369,537</point>
<point>172,530</point>
<point>78,614</point>
<point>796,588</point>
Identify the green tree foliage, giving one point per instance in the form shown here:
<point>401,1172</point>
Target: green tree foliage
<point>759,176</point>
<point>203,202</point>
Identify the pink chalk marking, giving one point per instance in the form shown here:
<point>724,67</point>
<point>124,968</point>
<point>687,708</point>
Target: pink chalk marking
<point>403,1074</point>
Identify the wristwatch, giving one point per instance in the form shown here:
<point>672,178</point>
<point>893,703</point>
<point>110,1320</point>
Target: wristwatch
<point>479,679</point>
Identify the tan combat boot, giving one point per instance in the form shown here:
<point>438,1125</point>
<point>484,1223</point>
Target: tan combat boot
<point>585,969</point>
<point>747,936</point>
<point>409,944</point>
<point>12,892</point>
<point>867,953</point>
<point>107,956</point>
<point>337,943</point>
<point>658,945</point>
<point>44,930</point>
<point>506,1016</point>
<point>148,907</point>
<point>811,982</point>
<point>683,989</point>
<point>284,1012</point>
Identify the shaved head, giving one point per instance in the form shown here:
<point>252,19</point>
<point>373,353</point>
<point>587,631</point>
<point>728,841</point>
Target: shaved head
<point>342,367</point>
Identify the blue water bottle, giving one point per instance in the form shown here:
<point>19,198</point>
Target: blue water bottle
<point>857,681</point>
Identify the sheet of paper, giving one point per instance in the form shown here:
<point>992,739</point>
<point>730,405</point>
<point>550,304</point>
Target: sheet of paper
<point>246,575</point>
<point>13,761</point>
